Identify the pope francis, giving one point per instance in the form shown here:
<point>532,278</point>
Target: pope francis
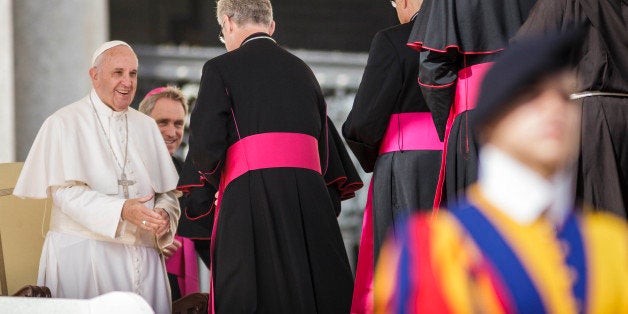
<point>112,183</point>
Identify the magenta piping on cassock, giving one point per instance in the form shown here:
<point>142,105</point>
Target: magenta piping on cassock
<point>347,191</point>
<point>205,174</point>
<point>187,187</point>
<point>194,218</point>
<point>324,171</point>
<point>434,86</point>
<point>235,123</point>
<point>417,45</point>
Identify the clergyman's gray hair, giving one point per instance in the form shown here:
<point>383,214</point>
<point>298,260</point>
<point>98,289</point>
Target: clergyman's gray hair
<point>171,92</point>
<point>258,12</point>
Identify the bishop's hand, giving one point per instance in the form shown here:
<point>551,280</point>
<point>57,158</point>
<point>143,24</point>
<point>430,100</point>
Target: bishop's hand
<point>138,214</point>
<point>163,229</point>
<point>169,250</point>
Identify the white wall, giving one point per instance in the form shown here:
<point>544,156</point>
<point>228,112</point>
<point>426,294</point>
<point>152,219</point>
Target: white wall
<point>54,41</point>
<point>7,103</point>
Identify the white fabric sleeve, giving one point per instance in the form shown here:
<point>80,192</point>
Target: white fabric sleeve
<point>170,203</point>
<point>98,212</point>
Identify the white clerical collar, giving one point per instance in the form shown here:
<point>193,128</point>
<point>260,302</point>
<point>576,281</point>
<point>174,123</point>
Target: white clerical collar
<point>256,37</point>
<point>521,193</point>
<point>103,109</point>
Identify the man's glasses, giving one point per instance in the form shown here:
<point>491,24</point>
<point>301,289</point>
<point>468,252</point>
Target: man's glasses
<point>393,3</point>
<point>221,36</point>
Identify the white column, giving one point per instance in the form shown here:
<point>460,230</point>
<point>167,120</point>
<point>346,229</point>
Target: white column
<point>7,101</point>
<point>54,41</point>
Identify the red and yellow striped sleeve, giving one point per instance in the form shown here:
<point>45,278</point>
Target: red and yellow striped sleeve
<point>434,267</point>
<point>606,244</point>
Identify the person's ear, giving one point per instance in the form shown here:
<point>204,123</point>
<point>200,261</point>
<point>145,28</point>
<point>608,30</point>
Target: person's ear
<point>271,29</point>
<point>93,74</point>
<point>227,26</point>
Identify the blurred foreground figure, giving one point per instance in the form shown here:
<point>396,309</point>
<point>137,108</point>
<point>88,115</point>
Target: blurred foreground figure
<point>602,68</point>
<point>514,244</point>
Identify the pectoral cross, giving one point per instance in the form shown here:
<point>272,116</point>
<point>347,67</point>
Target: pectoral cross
<point>125,184</point>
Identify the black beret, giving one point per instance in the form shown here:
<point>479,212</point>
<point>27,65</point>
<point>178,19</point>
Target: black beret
<point>521,65</point>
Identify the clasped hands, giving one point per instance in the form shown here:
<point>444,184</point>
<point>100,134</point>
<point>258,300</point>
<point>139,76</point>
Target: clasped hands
<point>156,221</point>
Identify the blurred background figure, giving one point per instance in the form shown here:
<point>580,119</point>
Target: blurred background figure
<point>458,41</point>
<point>391,132</point>
<point>601,64</point>
<point>514,243</point>
<point>168,107</point>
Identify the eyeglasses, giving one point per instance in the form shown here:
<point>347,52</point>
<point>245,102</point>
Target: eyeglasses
<point>393,3</point>
<point>221,36</point>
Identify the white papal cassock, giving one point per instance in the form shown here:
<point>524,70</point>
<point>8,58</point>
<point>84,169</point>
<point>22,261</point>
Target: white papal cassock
<point>89,250</point>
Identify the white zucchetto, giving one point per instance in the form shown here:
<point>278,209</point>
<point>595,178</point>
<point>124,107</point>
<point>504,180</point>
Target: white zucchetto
<point>106,46</point>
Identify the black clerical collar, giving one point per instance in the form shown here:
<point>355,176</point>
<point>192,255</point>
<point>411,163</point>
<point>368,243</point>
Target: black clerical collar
<point>256,36</point>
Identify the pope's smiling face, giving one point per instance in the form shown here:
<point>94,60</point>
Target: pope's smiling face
<point>115,77</point>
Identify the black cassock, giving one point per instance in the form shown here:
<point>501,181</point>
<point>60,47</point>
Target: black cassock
<point>457,41</point>
<point>403,180</point>
<point>602,67</point>
<point>277,247</point>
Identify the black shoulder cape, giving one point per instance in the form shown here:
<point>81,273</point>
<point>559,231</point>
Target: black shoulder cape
<point>469,26</point>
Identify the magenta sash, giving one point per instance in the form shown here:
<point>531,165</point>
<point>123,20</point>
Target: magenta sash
<point>467,92</point>
<point>468,86</point>
<point>410,131</point>
<point>263,151</point>
<point>271,150</point>
<point>406,131</point>
<point>184,265</point>
<point>362,302</point>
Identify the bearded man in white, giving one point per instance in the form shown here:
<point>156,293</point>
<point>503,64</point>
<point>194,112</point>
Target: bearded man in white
<point>112,183</point>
